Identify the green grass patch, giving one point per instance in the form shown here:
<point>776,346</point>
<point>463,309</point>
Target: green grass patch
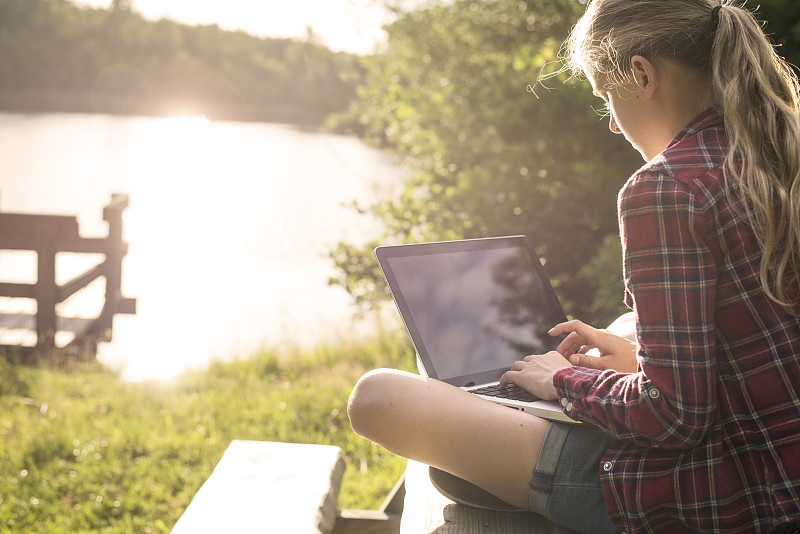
<point>82,451</point>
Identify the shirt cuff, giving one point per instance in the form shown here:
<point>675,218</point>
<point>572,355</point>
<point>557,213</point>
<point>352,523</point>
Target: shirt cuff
<point>572,385</point>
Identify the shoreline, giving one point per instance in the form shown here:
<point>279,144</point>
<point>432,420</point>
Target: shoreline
<point>58,102</point>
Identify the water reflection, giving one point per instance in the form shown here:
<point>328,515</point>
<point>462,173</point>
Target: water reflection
<point>229,225</point>
<point>476,310</point>
<point>524,305</point>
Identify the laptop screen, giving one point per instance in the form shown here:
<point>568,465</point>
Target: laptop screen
<point>472,307</point>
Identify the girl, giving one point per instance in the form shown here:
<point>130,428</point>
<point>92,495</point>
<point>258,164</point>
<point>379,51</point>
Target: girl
<point>695,427</point>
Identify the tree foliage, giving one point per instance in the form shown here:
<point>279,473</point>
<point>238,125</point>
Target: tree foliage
<point>487,156</point>
<point>782,24</point>
<point>57,56</point>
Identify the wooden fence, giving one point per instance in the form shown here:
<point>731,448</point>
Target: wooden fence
<point>48,235</point>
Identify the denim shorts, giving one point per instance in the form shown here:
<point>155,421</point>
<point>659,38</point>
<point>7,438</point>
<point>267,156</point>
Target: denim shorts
<point>566,482</point>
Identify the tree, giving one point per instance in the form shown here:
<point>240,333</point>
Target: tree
<point>782,23</point>
<point>485,158</point>
<point>490,151</point>
<point>58,56</point>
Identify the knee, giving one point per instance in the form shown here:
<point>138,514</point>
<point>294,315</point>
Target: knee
<point>371,400</point>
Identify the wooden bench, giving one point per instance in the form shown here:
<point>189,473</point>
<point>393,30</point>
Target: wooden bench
<point>260,487</point>
<point>269,487</point>
<point>265,487</point>
<point>426,511</point>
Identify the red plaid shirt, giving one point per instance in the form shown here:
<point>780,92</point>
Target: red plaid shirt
<point>708,430</point>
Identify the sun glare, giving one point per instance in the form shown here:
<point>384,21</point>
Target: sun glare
<point>173,227</point>
<point>184,123</point>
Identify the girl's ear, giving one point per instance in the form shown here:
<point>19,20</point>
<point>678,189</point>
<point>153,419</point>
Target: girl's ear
<point>645,74</point>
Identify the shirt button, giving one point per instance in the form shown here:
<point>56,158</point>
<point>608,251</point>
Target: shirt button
<point>607,466</point>
<point>564,402</point>
<point>569,406</point>
<point>654,393</point>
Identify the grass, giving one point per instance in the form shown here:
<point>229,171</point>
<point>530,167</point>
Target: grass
<point>82,451</point>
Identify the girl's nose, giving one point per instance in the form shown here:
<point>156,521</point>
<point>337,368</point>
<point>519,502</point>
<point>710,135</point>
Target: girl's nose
<point>612,125</point>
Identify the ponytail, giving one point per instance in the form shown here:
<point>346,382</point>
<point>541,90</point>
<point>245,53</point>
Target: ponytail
<point>758,94</point>
<point>760,100</point>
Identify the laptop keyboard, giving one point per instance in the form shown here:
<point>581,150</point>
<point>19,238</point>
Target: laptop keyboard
<point>511,391</point>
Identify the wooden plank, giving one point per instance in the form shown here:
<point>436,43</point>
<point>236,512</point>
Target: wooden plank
<point>74,325</point>
<point>385,520</point>
<point>71,243</point>
<point>15,290</point>
<point>74,318</point>
<point>17,321</point>
<point>126,306</point>
<point>20,328</point>
<point>264,487</point>
<point>426,511</point>
<point>393,504</point>
<point>25,231</point>
<point>88,302</point>
<point>17,314</point>
<point>366,522</point>
<point>80,282</point>
<point>90,245</point>
<point>27,321</point>
<point>119,202</point>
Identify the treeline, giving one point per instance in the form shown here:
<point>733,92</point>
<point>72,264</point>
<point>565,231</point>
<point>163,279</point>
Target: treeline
<point>490,156</point>
<point>56,56</point>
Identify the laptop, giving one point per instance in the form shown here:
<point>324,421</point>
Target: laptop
<point>472,308</point>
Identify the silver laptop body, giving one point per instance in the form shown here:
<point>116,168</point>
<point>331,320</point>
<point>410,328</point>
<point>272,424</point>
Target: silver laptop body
<point>472,308</point>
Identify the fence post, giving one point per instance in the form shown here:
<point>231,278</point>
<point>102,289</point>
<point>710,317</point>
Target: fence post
<point>112,214</point>
<point>46,295</point>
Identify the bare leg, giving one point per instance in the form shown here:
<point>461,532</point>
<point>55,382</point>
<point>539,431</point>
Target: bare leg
<point>432,422</point>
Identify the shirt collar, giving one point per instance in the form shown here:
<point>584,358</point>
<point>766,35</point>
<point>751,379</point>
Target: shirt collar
<point>709,118</point>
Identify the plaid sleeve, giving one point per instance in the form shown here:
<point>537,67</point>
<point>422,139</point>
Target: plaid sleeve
<point>670,277</point>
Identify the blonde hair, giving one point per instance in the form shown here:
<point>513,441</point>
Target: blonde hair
<point>756,90</point>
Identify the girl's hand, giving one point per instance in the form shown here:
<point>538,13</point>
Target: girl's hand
<point>535,374</point>
<point>616,353</point>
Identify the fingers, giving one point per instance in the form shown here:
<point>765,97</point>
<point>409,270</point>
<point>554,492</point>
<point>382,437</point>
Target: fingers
<point>592,362</point>
<point>579,340</point>
<point>575,327</point>
<point>571,344</point>
<point>601,363</point>
<point>508,378</point>
<point>583,337</point>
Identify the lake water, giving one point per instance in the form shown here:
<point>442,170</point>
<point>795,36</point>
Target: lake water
<point>229,226</point>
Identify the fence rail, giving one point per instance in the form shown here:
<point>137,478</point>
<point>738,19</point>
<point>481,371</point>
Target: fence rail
<point>48,235</point>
